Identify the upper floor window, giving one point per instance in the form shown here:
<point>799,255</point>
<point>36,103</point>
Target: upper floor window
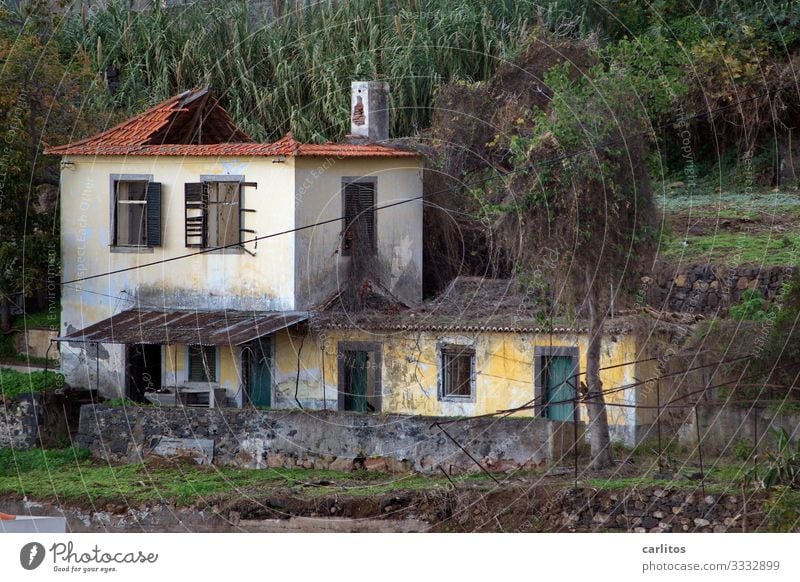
<point>214,210</point>
<point>136,211</point>
<point>359,216</point>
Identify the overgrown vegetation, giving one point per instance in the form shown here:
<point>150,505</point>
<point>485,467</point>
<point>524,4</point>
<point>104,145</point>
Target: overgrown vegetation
<point>13,383</point>
<point>780,466</point>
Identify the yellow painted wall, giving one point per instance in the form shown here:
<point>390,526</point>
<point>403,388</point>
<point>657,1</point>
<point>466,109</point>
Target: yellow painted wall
<point>504,370</point>
<point>175,372</point>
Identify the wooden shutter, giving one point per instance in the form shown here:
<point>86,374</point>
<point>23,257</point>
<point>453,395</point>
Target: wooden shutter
<point>245,233</point>
<point>196,213</point>
<point>360,206</point>
<point>153,214</point>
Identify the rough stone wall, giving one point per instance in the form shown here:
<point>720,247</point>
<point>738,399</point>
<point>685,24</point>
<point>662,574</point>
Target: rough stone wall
<point>710,289</point>
<point>33,419</point>
<point>335,440</point>
<point>655,510</point>
<point>19,427</point>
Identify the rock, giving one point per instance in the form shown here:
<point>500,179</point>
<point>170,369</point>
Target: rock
<point>341,464</point>
<point>375,464</point>
<point>710,500</point>
<point>677,510</point>
<point>700,522</point>
<point>680,280</point>
<point>600,518</point>
<point>658,514</point>
<point>274,460</point>
<point>649,522</point>
<point>660,493</point>
<point>639,530</point>
<point>720,529</point>
<point>397,465</point>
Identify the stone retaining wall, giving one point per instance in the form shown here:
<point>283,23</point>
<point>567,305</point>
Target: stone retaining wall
<point>32,420</point>
<point>710,289</point>
<point>319,439</point>
<point>656,510</point>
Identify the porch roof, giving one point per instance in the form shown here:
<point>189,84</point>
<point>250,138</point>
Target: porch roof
<point>212,328</point>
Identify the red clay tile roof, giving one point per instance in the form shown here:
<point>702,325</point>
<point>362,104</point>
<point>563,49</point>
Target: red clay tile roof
<point>192,124</point>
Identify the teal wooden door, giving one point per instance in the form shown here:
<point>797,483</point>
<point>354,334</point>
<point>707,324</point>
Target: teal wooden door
<point>560,387</point>
<point>355,397</point>
<point>260,376</point>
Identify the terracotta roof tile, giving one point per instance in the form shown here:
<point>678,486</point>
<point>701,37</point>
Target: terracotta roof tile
<point>149,134</point>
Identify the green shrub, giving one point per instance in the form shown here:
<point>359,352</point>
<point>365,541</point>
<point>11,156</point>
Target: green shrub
<point>13,383</point>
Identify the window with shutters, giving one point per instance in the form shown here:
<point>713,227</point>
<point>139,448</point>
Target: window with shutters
<point>359,233</point>
<point>136,220</point>
<point>215,211</point>
<point>457,372</point>
<point>202,364</point>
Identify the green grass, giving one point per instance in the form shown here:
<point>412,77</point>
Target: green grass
<point>729,201</point>
<point>72,476</point>
<point>13,383</point>
<point>763,249</point>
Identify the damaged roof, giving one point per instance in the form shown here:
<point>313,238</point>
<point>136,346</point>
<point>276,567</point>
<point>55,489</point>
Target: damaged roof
<point>212,328</point>
<point>193,123</point>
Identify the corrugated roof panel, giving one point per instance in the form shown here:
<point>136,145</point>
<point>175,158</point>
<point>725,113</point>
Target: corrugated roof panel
<point>215,328</point>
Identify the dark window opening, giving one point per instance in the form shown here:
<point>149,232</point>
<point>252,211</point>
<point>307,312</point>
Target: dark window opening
<point>202,364</point>
<point>359,218</point>
<point>214,214</point>
<point>458,372</point>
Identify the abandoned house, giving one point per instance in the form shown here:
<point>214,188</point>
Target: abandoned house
<point>203,269</point>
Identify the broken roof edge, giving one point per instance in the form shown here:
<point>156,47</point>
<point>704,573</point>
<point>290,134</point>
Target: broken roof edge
<point>147,134</point>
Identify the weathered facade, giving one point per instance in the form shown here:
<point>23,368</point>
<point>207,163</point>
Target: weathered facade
<point>404,372</point>
<point>261,224</point>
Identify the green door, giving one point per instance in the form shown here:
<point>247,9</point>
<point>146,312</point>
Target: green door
<point>355,397</point>
<point>560,391</point>
<point>260,373</point>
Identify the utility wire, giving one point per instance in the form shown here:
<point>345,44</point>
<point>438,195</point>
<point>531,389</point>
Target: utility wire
<point>545,162</point>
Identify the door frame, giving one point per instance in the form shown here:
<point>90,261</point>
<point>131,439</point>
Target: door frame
<point>539,381</point>
<point>246,401</point>
<point>374,347</point>
<point>129,365</point>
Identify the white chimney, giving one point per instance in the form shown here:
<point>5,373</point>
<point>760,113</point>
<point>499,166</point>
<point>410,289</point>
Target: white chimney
<point>369,110</point>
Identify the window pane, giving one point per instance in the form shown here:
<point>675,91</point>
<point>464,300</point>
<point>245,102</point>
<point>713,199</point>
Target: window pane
<point>131,225</point>
<point>457,373</point>
<point>223,214</point>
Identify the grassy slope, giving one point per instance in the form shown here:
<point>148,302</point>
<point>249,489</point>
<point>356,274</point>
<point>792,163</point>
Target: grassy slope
<point>731,228</point>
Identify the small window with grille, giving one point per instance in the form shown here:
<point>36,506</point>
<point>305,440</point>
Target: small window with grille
<point>457,373</point>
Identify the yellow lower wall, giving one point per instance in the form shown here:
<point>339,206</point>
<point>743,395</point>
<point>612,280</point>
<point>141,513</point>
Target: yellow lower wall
<point>504,370</point>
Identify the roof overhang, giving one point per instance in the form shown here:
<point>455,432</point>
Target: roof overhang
<point>212,328</point>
